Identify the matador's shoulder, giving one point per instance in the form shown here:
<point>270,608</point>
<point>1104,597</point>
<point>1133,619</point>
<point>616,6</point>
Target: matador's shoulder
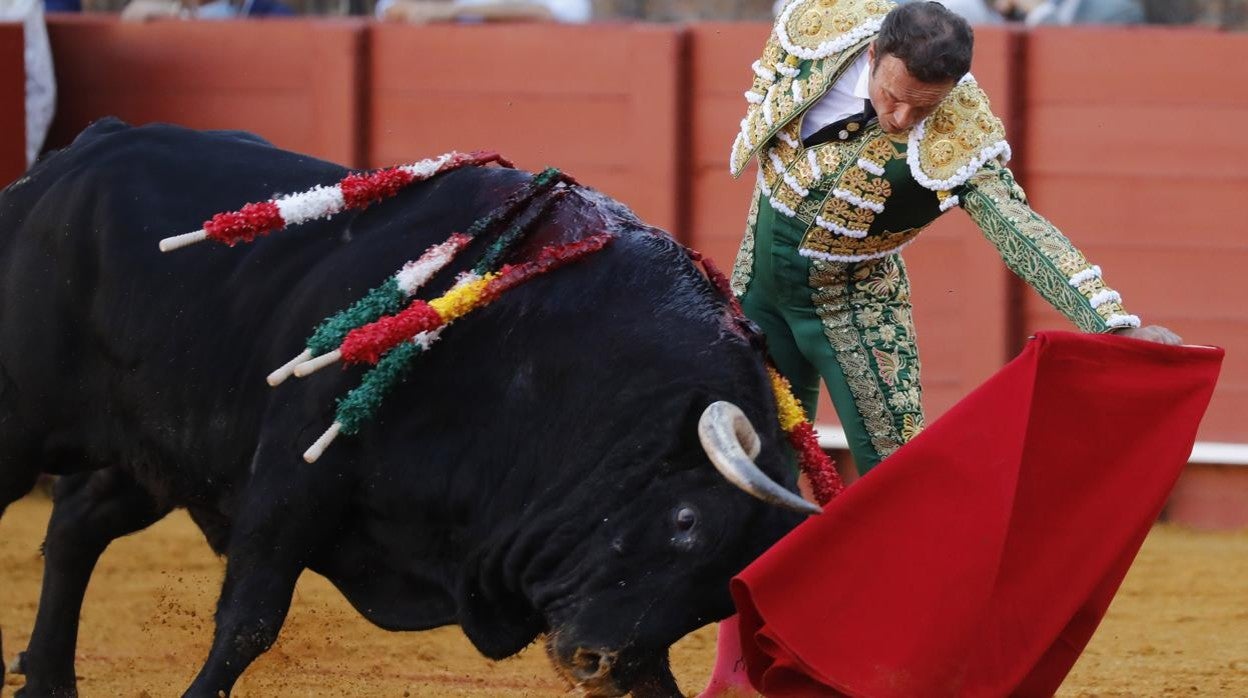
<point>808,33</point>
<point>950,146</point>
<point>814,29</point>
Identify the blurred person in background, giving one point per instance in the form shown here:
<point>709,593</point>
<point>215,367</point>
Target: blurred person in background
<point>143,10</point>
<point>425,11</point>
<point>973,11</point>
<point>1037,12</point>
<point>40,79</point>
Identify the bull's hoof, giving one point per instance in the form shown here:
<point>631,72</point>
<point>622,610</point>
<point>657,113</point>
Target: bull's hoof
<point>34,691</point>
<point>18,665</point>
<point>657,682</point>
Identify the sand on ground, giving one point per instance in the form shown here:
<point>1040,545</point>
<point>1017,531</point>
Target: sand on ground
<point>1178,627</point>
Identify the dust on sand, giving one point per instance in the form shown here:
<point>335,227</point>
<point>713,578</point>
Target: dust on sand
<point>1179,626</point>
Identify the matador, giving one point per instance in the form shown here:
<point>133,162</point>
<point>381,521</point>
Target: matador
<point>867,127</point>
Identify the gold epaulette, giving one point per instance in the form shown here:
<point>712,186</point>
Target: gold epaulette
<point>957,139</point>
<point>806,30</point>
<point>814,29</point>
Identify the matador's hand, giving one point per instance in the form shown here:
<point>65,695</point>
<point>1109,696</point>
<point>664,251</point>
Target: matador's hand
<point>1152,333</point>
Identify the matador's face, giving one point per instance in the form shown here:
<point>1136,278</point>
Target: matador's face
<point>900,99</point>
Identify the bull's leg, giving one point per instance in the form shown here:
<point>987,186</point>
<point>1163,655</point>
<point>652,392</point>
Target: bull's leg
<point>275,533</point>
<point>90,510</point>
<point>16,479</point>
<point>250,614</point>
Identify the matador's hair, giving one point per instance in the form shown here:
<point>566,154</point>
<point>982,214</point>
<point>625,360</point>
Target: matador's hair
<point>934,42</point>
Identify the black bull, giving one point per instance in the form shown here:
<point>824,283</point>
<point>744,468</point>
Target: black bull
<point>539,472</point>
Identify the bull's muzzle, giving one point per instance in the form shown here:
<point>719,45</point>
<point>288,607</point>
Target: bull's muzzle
<point>591,666</point>
<point>589,670</point>
<point>731,443</point>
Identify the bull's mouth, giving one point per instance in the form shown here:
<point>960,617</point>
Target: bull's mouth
<point>601,672</point>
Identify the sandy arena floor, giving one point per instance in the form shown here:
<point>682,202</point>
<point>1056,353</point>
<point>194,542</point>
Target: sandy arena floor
<point>1178,627</point>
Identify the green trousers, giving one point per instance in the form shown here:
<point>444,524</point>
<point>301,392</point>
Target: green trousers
<point>847,323</point>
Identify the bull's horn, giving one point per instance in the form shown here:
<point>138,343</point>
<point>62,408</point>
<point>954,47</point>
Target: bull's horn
<point>727,435</point>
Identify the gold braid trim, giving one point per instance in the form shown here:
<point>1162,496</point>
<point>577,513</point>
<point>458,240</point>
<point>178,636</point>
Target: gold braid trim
<point>813,29</point>
<point>743,267</point>
<point>827,32</point>
<point>948,147</point>
<point>1034,249</point>
<point>832,288</point>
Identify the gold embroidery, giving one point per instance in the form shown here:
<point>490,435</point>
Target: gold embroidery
<point>773,54</point>
<point>1034,249</point>
<point>846,214</point>
<point>942,123</point>
<point>885,284</point>
<point>823,20</point>
<point>743,267</point>
<point>941,153</point>
<point>828,217</point>
<point>869,188</point>
<point>767,170</point>
<point>785,194</point>
<point>818,22</point>
<point>912,424</point>
<point>879,151</point>
<point>784,105</point>
<point>890,365</point>
<point>864,309</point>
<point>829,160</point>
<point>800,170</point>
<point>819,240</point>
<point>958,132</point>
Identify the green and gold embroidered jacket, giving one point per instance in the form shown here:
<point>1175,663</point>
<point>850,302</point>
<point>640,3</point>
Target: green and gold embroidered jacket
<point>868,196</point>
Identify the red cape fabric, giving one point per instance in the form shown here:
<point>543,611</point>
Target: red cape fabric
<point>978,559</point>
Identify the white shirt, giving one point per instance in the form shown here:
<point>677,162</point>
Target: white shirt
<point>844,99</point>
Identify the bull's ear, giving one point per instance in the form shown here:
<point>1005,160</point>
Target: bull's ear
<point>498,621</point>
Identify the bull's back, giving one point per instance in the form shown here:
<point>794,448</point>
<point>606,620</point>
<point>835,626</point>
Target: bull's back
<point>104,341</point>
<point>110,348</point>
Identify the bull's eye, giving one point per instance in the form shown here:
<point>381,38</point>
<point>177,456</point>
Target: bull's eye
<point>686,519</point>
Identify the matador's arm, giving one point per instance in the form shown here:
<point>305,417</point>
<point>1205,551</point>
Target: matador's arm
<point>1038,252</point>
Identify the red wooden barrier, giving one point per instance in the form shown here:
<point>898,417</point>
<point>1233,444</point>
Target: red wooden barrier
<point>293,82</point>
<point>601,102</point>
<point>1135,148</point>
<point>1131,145</point>
<point>961,317</point>
<point>12,103</point>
